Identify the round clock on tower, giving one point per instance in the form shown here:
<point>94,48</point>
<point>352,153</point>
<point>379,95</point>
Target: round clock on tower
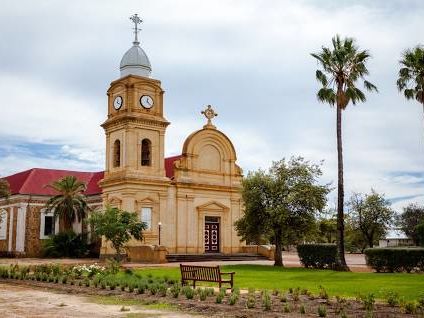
<point>135,127</point>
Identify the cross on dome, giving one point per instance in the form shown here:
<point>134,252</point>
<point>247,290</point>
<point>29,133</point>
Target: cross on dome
<point>135,60</point>
<point>209,114</point>
<point>136,20</point>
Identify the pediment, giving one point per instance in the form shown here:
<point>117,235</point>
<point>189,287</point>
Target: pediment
<point>212,206</point>
<point>114,200</point>
<point>147,200</point>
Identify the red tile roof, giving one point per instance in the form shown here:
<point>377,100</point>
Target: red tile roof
<point>169,165</point>
<point>34,181</point>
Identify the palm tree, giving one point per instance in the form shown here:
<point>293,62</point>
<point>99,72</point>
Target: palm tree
<point>342,66</point>
<point>70,203</point>
<point>411,74</point>
<point>4,188</point>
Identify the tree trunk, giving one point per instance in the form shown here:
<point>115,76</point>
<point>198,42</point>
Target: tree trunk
<point>278,255</point>
<point>340,261</point>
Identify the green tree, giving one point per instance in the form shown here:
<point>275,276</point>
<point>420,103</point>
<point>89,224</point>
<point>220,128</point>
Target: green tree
<point>69,204</point>
<point>420,233</point>
<point>371,215</point>
<point>342,66</point>
<point>408,221</point>
<point>327,229</point>
<point>281,203</point>
<point>4,188</point>
<point>411,74</point>
<point>117,226</point>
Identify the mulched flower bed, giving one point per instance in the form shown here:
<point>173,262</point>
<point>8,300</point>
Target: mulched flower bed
<point>109,281</point>
<point>282,305</point>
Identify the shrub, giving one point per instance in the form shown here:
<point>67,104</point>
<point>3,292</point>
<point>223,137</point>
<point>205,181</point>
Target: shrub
<point>392,298</point>
<point>112,266</point>
<point>395,259</point>
<point>421,301</point>
<point>220,296</point>
<point>65,244</point>
<point>266,300</point>
<point>251,301</point>
<point>287,308</point>
<point>203,294</point>
<point>153,288</point>
<point>87,282</point>
<point>295,294</point>
<point>410,307</point>
<point>322,311</point>
<point>317,255</point>
<point>188,292</point>
<point>302,309</point>
<point>368,301</point>
<point>175,290</point>
<point>162,289</point>
<point>323,293</point>
<point>210,291</point>
<point>234,297</point>
<point>141,287</point>
<point>131,287</point>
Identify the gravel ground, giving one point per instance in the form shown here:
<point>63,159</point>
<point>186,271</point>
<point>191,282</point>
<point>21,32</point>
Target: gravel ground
<point>24,301</point>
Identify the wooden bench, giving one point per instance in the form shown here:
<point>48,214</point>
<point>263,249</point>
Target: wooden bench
<point>205,274</point>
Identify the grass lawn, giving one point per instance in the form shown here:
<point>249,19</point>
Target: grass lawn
<point>409,286</point>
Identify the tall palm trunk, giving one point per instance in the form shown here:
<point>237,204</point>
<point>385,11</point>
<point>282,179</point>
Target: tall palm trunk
<point>341,261</point>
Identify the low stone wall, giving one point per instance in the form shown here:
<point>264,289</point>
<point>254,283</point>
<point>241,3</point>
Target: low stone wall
<point>266,250</point>
<point>147,254</point>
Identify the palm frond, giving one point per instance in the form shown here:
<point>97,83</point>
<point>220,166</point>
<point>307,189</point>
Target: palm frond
<point>370,86</point>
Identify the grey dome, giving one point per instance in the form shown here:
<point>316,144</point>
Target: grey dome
<point>135,62</point>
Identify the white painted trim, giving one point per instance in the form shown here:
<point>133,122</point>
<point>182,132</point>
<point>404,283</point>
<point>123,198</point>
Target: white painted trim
<point>3,225</point>
<point>10,229</point>
<point>42,224</point>
<point>20,229</point>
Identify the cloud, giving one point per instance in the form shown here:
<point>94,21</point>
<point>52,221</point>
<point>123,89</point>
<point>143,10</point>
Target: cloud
<point>249,59</point>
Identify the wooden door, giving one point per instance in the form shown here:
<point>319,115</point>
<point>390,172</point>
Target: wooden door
<point>212,235</point>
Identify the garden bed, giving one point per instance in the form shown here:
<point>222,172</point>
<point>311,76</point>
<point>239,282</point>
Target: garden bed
<point>265,303</point>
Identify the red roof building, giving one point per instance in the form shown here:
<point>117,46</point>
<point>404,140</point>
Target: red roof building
<point>35,181</point>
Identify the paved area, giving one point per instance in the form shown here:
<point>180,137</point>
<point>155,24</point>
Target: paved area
<point>21,301</point>
<point>356,262</point>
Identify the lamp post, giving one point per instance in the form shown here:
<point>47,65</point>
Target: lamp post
<point>159,227</point>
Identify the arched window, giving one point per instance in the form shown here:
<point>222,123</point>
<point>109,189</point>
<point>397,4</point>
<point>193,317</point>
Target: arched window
<point>116,153</point>
<point>146,150</point>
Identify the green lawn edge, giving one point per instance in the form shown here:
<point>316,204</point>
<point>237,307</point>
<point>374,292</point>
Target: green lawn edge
<point>347,284</point>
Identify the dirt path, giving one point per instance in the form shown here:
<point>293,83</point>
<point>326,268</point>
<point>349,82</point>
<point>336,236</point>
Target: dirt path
<point>22,301</point>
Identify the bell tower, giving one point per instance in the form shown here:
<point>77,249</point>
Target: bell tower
<point>135,125</point>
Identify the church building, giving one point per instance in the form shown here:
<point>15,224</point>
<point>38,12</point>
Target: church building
<point>189,202</point>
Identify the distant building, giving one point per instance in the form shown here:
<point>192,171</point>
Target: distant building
<point>395,238</point>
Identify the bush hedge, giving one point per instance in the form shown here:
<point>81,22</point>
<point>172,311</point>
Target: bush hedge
<point>66,244</point>
<point>317,255</point>
<point>395,259</point>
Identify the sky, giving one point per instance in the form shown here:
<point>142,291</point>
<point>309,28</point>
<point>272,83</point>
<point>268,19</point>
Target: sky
<point>249,59</point>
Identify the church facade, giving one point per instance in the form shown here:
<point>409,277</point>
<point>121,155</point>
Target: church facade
<point>189,202</point>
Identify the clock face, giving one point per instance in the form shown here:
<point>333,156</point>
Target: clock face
<point>146,101</point>
<point>117,103</point>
